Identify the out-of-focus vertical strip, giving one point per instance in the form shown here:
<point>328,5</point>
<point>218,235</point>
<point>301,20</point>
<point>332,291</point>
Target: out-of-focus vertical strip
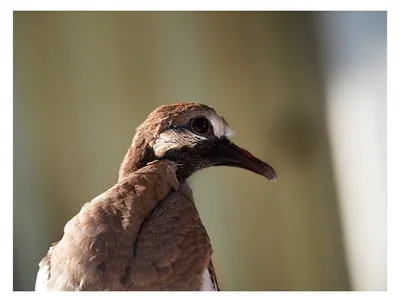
<point>353,48</point>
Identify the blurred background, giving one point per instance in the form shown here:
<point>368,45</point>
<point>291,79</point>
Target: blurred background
<point>305,91</point>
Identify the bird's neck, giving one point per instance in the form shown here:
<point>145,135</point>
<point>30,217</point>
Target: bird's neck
<point>140,154</point>
<point>137,156</point>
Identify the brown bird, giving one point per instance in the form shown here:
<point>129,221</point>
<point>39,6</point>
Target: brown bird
<point>145,232</point>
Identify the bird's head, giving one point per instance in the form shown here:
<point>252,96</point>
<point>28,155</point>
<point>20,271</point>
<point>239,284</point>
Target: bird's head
<point>194,136</point>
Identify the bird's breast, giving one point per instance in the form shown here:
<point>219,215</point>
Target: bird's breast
<point>173,249</point>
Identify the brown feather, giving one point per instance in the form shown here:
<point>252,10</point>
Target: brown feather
<point>144,233</point>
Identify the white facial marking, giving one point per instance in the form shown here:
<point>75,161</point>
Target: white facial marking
<point>175,139</point>
<point>220,127</point>
<point>229,132</point>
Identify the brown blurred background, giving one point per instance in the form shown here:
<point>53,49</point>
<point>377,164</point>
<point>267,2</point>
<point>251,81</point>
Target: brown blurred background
<point>304,91</point>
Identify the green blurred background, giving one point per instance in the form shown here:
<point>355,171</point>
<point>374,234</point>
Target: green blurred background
<point>83,81</point>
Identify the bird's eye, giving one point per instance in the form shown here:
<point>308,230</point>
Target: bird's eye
<point>200,125</point>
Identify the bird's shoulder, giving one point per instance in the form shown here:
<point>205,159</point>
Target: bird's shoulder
<point>92,239</point>
<point>162,172</point>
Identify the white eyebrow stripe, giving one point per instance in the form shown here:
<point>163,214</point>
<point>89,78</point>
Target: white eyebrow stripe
<point>229,132</point>
<point>220,128</point>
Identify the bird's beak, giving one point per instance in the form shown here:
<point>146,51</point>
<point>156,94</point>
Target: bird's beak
<point>226,153</point>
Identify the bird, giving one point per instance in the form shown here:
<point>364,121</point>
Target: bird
<point>145,233</point>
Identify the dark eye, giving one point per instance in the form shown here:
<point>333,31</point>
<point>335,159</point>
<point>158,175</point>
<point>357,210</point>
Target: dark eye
<point>200,125</point>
